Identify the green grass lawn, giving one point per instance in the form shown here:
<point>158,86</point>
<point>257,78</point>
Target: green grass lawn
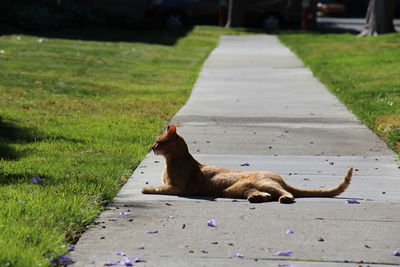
<point>81,115</point>
<point>363,72</point>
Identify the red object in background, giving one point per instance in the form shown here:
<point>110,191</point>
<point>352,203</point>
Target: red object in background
<point>25,107</point>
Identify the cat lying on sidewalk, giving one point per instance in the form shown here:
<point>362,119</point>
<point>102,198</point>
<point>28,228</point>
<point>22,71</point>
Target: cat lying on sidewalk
<point>184,176</point>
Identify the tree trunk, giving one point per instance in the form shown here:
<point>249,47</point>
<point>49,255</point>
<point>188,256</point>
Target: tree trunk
<point>379,18</point>
<point>229,19</point>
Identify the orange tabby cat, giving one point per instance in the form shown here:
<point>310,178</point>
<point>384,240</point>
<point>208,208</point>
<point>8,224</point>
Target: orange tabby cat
<point>184,176</point>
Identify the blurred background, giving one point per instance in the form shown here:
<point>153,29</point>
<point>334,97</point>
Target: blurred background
<point>269,15</point>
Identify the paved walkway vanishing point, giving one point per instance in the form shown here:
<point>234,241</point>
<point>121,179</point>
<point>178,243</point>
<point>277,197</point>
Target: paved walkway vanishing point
<point>255,102</point>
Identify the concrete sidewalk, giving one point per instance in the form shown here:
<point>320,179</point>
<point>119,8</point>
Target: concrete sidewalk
<point>255,102</point>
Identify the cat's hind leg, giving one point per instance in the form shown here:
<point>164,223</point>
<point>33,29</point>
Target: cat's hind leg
<point>285,197</point>
<point>247,190</point>
<point>256,196</point>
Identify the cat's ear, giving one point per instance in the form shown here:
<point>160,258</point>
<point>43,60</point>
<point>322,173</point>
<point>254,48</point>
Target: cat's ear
<point>171,130</point>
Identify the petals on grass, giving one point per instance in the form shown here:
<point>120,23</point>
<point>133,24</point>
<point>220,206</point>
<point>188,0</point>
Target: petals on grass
<point>37,180</point>
<point>352,201</point>
<point>212,223</point>
<point>245,164</point>
<point>152,232</point>
<point>396,253</point>
<point>123,213</point>
<point>64,260</point>
<point>238,255</point>
<point>289,232</point>
<point>284,253</point>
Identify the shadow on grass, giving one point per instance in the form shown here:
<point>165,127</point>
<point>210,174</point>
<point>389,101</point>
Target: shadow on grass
<point>10,134</point>
<point>107,34</point>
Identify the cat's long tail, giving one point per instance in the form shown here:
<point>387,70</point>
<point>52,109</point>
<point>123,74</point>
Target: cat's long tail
<point>325,192</point>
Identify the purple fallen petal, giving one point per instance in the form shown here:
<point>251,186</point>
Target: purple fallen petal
<point>37,180</point>
<point>284,253</point>
<point>152,232</point>
<point>289,232</point>
<point>71,248</point>
<point>212,223</point>
<point>235,200</point>
<point>112,220</point>
<point>204,251</point>
<point>396,253</point>
<point>170,217</point>
<point>182,246</point>
<point>238,255</point>
<point>64,260</point>
<point>124,213</point>
<point>121,254</point>
<point>352,201</point>
<point>141,247</point>
<point>321,239</point>
<point>286,265</point>
<point>245,164</point>
<point>331,163</point>
<point>136,259</point>
<point>110,263</point>
<point>126,261</point>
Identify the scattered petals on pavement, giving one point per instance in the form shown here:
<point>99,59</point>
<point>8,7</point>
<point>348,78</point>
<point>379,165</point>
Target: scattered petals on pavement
<point>284,253</point>
<point>183,246</point>
<point>245,164</point>
<point>141,247</point>
<point>396,253</point>
<point>121,254</point>
<point>112,220</point>
<point>289,232</point>
<point>152,232</point>
<point>212,223</point>
<point>37,180</point>
<point>352,201</point>
<point>170,217</point>
<point>238,255</point>
<point>126,261</point>
<point>64,260</point>
<point>123,213</point>
<point>136,259</point>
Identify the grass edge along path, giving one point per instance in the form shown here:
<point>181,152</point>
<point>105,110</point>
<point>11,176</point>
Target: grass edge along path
<point>75,118</point>
<point>362,72</point>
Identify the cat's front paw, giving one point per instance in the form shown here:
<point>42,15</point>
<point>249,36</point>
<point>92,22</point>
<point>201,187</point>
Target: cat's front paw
<point>147,190</point>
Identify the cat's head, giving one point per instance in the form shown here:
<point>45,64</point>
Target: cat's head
<point>170,144</point>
